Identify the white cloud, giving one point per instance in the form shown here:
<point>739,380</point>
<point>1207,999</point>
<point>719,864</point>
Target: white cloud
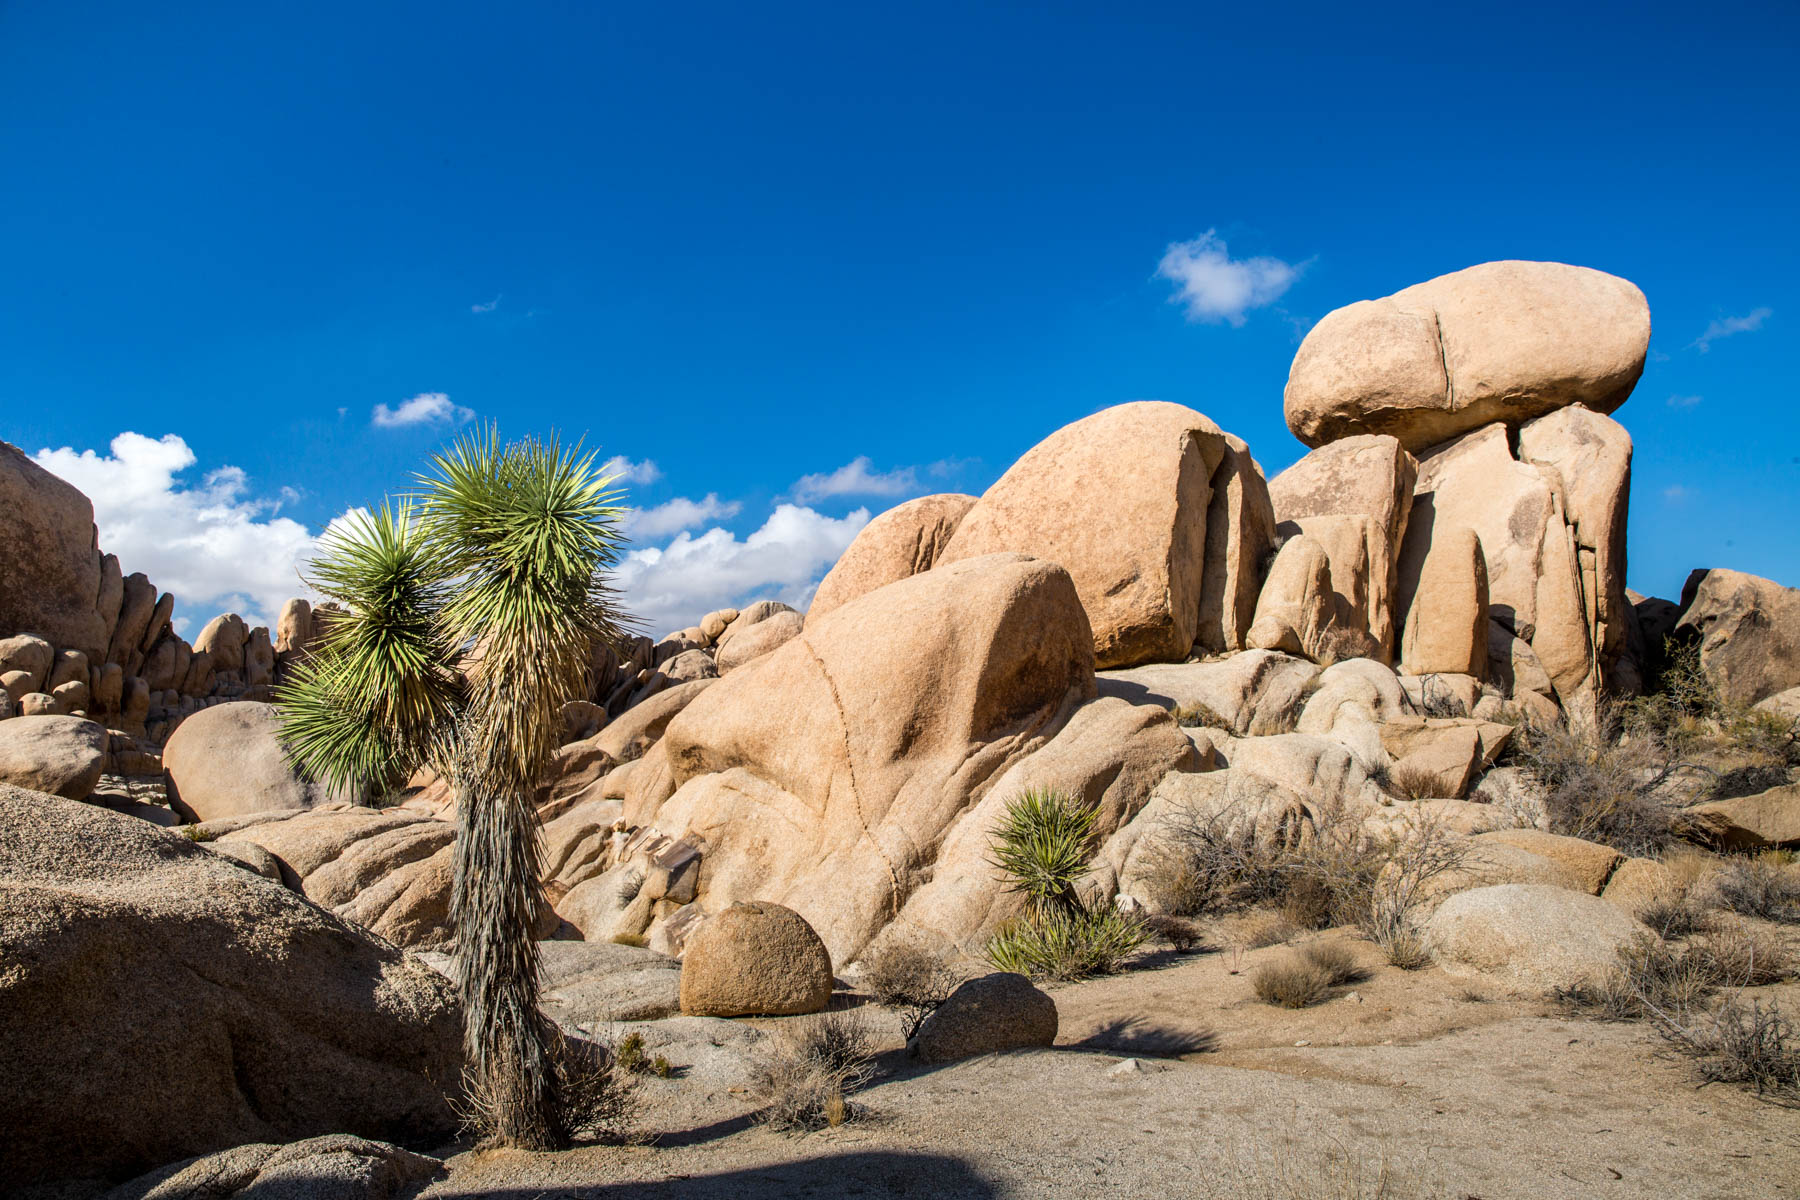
<point>426,408</point>
<point>214,546</point>
<point>855,478</point>
<point>672,587</point>
<point>489,307</point>
<point>673,516</point>
<point>1216,287</point>
<point>1676,493</point>
<point>1683,401</point>
<point>1727,326</point>
<point>623,470</point>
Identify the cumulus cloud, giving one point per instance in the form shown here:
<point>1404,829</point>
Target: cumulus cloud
<point>855,478</point>
<point>426,408</point>
<point>623,470</point>
<point>1725,327</point>
<point>673,516</point>
<point>1216,287</point>
<point>674,586</point>
<point>216,547</point>
<point>1683,401</point>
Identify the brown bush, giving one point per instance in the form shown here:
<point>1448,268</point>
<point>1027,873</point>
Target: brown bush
<point>1335,960</point>
<point>1291,982</point>
<point>911,979</point>
<point>810,1069</point>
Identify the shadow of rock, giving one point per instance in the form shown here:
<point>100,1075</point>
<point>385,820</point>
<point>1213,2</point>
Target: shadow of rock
<point>877,1173</point>
<point>1136,1038</point>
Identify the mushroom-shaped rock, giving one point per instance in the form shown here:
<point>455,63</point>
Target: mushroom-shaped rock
<point>987,1015</point>
<point>755,959</point>
<point>1120,501</point>
<point>901,542</point>
<point>1503,341</point>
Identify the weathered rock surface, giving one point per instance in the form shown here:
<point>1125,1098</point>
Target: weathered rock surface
<point>1749,630</point>
<point>589,982</point>
<point>1503,341</point>
<point>1589,862</point>
<point>745,643</point>
<point>1354,498</point>
<point>228,761</point>
<point>336,1166</point>
<point>62,756</point>
<point>1255,693</point>
<point>1240,534</point>
<point>1120,501</point>
<point>1447,612</point>
<point>755,959</point>
<point>988,1015</point>
<point>52,565</point>
<point>161,1002</point>
<point>1298,602</point>
<point>825,775</point>
<point>1766,820</point>
<point>1529,936</point>
<point>901,542</point>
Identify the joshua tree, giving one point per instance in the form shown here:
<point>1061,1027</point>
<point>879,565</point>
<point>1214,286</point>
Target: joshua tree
<point>472,612</point>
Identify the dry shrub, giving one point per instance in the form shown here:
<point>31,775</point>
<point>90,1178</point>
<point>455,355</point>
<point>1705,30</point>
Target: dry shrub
<point>1743,956</point>
<point>909,978</point>
<point>1749,1045</point>
<point>1179,932</point>
<point>592,1097</point>
<point>1336,960</point>
<point>1342,642</point>
<point>1767,886</point>
<point>1406,949</point>
<point>1603,789</point>
<point>1195,715</point>
<point>1264,929</point>
<point>631,1057</point>
<point>1309,902</point>
<point>1408,781</point>
<point>1290,982</point>
<point>1437,700</point>
<point>1422,850</point>
<point>810,1069</point>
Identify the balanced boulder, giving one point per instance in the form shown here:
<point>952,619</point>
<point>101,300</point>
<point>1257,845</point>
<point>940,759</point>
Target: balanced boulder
<point>755,959</point>
<point>161,1002</point>
<point>1120,501</point>
<point>1503,341</point>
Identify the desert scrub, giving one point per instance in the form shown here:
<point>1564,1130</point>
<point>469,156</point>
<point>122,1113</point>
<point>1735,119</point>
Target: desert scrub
<point>810,1070</point>
<point>593,1095</point>
<point>1602,787</point>
<point>194,833</point>
<point>633,1059</point>
<point>909,979</point>
<point>1195,715</point>
<point>1767,887</point>
<point>1407,781</point>
<point>1422,851</point>
<point>1043,844</point>
<point>1750,1045</point>
<point>1656,981</point>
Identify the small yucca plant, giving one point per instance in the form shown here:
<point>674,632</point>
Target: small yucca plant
<point>1043,845</point>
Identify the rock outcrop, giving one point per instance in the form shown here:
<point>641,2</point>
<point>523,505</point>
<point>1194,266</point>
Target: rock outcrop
<point>51,557</point>
<point>228,761</point>
<point>1749,631</point>
<point>1119,500</point>
<point>901,542</point>
<point>161,1002</point>
<point>59,755</point>
<point>1503,341</point>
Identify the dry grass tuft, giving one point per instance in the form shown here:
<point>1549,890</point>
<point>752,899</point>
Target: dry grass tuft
<point>1290,982</point>
<point>1195,715</point>
<point>811,1068</point>
<point>1408,781</point>
<point>1336,960</point>
<point>910,979</point>
<point>592,1097</point>
<point>1753,1046</point>
<point>1767,886</point>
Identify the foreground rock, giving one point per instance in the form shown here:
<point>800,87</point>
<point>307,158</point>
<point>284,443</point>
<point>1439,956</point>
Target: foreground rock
<point>988,1015</point>
<point>160,1001</point>
<point>1120,501</point>
<point>755,959</point>
<point>1767,820</point>
<point>1503,341</point>
<point>228,761</point>
<point>333,1167</point>
<point>63,756</point>
<point>1749,630</point>
<point>590,982</point>
<point>1528,936</point>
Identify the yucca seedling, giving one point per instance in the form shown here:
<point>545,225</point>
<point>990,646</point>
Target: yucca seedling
<point>1043,844</point>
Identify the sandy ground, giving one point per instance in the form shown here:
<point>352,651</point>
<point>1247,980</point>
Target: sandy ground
<point>1418,1080</point>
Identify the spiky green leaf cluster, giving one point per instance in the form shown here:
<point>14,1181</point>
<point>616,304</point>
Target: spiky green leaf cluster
<point>1043,844</point>
<point>379,688</point>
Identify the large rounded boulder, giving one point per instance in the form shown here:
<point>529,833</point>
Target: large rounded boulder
<point>1503,341</point>
<point>755,959</point>
<point>160,1001</point>
<point>62,756</point>
<point>1120,501</point>
<point>1531,937</point>
<point>228,761</point>
<point>988,1015</point>
<point>901,542</point>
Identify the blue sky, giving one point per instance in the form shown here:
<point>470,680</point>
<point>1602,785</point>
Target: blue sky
<point>885,248</point>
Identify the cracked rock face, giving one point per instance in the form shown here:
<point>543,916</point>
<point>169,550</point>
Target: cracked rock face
<point>1503,341</point>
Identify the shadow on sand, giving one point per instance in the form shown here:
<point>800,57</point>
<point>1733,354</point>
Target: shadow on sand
<point>875,1173</point>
